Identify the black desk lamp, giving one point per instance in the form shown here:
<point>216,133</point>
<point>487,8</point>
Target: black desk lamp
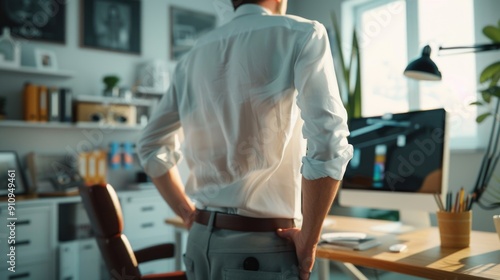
<point>424,68</point>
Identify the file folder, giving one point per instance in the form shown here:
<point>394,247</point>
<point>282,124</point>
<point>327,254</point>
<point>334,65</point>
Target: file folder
<point>54,105</point>
<point>66,105</point>
<point>43,98</point>
<point>30,102</point>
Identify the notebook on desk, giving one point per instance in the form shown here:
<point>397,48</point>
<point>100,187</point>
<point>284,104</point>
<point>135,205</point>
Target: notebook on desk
<point>349,240</point>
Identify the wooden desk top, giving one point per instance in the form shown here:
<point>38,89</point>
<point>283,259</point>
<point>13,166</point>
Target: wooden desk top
<point>424,256</point>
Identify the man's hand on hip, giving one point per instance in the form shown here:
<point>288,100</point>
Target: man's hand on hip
<point>306,253</point>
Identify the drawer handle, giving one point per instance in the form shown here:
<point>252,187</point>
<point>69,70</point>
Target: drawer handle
<point>87,247</point>
<point>21,275</point>
<point>25,222</point>
<point>147,208</point>
<point>146,225</point>
<point>23,242</point>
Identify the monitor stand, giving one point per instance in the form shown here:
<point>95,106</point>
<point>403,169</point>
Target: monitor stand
<point>408,221</point>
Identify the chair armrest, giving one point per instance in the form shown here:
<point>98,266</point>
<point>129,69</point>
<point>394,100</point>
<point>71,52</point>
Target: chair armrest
<point>162,251</point>
<point>177,275</point>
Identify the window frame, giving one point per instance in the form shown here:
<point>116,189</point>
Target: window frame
<point>351,11</point>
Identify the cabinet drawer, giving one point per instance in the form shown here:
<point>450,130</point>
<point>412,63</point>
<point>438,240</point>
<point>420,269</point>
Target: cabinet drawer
<point>90,259</point>
<point>145,217</point>
<point>34,271</point>
<point>32,233</point>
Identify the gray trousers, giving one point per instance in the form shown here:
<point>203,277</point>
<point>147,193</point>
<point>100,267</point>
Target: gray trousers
<point>218,254</point>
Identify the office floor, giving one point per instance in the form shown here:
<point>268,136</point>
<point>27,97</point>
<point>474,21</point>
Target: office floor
<point>372,274</point>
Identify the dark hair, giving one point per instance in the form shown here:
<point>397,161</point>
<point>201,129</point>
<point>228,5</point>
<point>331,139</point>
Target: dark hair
<point>237,3</point>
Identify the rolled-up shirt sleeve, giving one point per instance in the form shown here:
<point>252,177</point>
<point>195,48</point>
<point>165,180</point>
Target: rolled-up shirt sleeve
<point>325,118</point>
<point>159,144</point>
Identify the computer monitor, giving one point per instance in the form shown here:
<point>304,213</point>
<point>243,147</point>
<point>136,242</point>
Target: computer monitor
<point>400,161</point>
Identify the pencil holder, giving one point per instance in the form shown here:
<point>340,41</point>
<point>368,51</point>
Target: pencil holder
<point>454,228</point>
<point>496,221</point>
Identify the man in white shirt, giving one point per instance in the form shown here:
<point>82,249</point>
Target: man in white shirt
<point>263,124</point>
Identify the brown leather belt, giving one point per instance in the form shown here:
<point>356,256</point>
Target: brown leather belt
<point>242,223</point>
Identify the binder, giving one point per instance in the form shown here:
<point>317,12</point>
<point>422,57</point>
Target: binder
<point>30,102</point>
<point>66,105</point>
<point>54,105</point>
<point>43,98</point>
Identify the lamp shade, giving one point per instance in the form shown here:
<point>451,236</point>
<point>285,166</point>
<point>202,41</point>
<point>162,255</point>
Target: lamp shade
<point>423,68</point>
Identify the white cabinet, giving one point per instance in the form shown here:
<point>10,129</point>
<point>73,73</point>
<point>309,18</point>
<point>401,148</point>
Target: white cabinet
<point>144,225</point>
<point>144,217</point>
<point>46,247</point>
<point>79,259</point>
<point>34,246</point>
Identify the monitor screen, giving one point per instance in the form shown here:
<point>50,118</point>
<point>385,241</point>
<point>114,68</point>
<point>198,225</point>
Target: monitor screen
<point>400,162</point>
<point>398,152</point>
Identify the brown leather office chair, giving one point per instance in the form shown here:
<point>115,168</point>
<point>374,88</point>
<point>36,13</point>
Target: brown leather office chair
<point>104,211</point>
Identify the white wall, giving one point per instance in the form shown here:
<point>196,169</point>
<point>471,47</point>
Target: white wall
<point>464,165</point>
<point>91,65</point>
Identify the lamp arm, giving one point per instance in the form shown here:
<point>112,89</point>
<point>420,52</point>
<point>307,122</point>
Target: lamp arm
<point>473,48</point>
<point>486,166</point>
<point>495,156</point>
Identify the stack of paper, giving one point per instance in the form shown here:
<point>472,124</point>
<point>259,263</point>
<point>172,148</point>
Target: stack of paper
<point>350,240</point>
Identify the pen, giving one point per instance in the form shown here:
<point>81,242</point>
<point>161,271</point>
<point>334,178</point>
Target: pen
<point>448,202</point>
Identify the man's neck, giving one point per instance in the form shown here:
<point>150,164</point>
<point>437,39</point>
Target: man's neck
<point>271,6</point>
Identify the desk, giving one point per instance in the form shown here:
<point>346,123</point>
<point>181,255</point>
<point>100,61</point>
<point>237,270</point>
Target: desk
<point>424,257</point>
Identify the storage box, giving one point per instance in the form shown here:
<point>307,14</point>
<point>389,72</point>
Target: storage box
<point>106,113</point>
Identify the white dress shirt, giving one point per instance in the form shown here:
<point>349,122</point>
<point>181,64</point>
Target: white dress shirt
<point>250,97</point>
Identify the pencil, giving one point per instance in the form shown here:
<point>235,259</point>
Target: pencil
<point>461,200</point>
<point>448,201</point>
<point>439,202</point>
<point>456,206</point>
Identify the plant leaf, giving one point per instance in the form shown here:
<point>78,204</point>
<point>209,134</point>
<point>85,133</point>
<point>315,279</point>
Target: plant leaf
<point>492,32</point>
<point>486,95</point>
<point>482,117</point>
<point>495,79</point>
<point>489,72</point>
<point>495,91</point>
<point>476,103</point>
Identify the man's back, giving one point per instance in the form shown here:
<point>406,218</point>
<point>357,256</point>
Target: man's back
<point>236,96</point>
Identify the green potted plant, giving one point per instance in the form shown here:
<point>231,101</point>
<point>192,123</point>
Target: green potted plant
<point>111,83</point>
<point>490,100</point>
<point>349,76</point>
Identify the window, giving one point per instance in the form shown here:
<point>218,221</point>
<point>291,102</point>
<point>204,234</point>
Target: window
<point>392,32</point>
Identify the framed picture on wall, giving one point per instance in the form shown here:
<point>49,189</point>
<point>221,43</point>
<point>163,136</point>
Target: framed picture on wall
<point>35,19</point>
<point>185,27</point>
<point>113,25</point>
<point>45,59</point>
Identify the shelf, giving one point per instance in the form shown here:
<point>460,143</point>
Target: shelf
<point>114,100</point>
<point>77,125</point>
<point>36,71</point>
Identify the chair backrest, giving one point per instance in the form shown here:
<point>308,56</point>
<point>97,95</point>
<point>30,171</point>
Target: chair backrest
<point>105,214</point>
<point>103,208</point>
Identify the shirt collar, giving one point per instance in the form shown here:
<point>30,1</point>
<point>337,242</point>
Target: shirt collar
<point>248,9</point>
